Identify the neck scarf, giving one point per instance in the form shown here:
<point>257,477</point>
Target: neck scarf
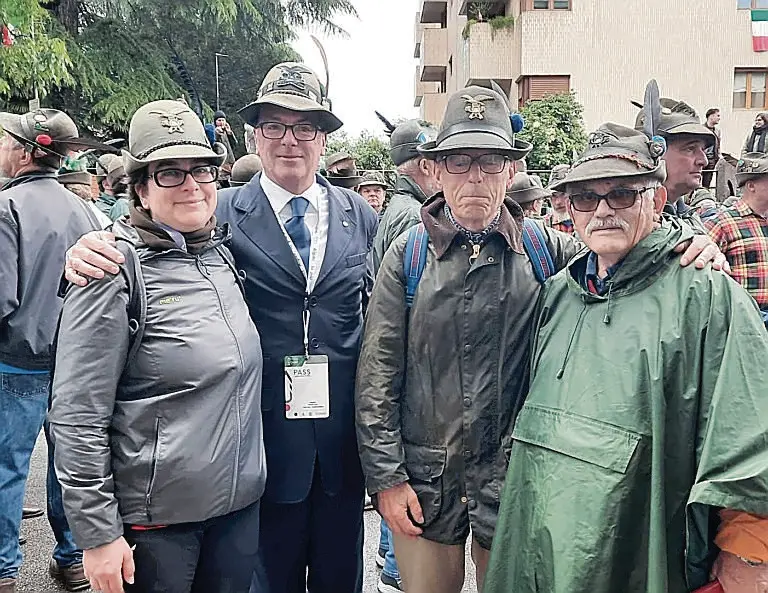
<point>156,238</point>
<point>474,237</point>
<point>757,139</point>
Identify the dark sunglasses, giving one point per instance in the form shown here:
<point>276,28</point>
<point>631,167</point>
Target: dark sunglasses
<point>620,198</point>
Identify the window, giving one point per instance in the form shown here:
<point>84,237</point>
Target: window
<point>530,88</point>
<point>747,4</point>
<point>553,4</point>
<point>750,89</point>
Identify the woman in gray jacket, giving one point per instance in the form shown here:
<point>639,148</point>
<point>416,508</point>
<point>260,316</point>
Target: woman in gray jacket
<point>156,396</point>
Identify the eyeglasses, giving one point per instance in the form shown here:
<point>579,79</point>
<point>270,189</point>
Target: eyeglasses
<point>620,198</point>
<point>491,164</point>
<point>275,130</point>
<point>177,177</point>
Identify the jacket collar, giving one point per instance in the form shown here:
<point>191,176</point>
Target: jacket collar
<point>29,177</point>
<point>442,233</point>
<point>406,185</point>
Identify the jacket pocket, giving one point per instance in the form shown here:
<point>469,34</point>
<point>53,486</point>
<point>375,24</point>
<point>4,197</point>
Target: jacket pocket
<point>425,466</point>
<point>356,260</point>
<point>153,468</point>
<point>593,441</point>
<point>24,385</point>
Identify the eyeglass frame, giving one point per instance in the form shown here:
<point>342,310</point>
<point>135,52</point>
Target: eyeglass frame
<point>286,127</point>
<point>444,160</point>
<point>187,172</point>
<point>604,197</point>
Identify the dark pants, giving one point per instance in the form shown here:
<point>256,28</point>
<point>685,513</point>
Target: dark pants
<point>214,556</point>
<point>315,545</point>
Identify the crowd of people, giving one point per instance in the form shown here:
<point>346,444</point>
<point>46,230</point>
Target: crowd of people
<point>243,348</point>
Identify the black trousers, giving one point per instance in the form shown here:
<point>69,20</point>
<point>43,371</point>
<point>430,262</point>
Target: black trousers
<point>214,556</point>
<point>315,545</point>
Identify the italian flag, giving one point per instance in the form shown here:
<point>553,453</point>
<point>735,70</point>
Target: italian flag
<point>760,30</point>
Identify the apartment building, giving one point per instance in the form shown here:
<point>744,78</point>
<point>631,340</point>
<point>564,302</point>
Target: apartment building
<point>604,50</point>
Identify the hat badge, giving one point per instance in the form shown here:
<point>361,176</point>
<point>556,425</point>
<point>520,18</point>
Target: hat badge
<point>172,121</point>
<point>598,139</point>
<point>292,77</point>
<point>475,106</point>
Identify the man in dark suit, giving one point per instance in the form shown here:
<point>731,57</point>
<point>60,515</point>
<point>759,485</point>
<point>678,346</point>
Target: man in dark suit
<point>303,246</point>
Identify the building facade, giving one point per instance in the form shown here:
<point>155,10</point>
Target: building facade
<point>604,50</point>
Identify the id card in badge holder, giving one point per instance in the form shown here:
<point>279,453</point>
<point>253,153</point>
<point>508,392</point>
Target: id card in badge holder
<point>307,394</point>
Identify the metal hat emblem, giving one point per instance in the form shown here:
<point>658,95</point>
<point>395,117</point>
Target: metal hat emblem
<point>171,120</point>
<point>597,139</point>
<point>475,106</point>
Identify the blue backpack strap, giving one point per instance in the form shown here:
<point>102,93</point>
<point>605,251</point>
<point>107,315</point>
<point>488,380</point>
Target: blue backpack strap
<point>536,247</point>
<point>414,260</point>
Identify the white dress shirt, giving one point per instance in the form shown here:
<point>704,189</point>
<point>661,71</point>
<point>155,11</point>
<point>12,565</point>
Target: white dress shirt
<point>316,219</point>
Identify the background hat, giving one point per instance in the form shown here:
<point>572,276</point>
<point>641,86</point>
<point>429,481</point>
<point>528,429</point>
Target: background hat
<point>219,114</point>
<point>373,178</point>
<point>347,177</point>
<point>407,137</point>
<point>167,129</point>
<point>103,162</point>
<point>49,130</point>
<point>617,151</point>
<point>676,118</point>
<point>558,174</point>
<point>75,178</point>
<point>527,188</point>
<point>337,157</point>
<point>115,172</point>
<point>751,166</point>
<point>293,86</point>
<point>244,169</point>
<point>476,118</point>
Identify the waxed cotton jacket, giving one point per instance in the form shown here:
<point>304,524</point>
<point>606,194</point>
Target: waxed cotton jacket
<point>437,391</point>
<point>647,413</point>
<point>175,436</point>
<point>403,212</point>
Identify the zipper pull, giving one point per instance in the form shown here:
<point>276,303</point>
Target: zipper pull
<point>475,253</point>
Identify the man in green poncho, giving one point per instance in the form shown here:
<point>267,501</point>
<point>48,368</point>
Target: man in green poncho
<point>640,458</point>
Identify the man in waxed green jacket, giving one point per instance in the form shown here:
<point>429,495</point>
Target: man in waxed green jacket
<point>644,427</point>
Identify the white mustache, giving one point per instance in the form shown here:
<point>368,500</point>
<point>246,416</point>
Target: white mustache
<point>612,222</point>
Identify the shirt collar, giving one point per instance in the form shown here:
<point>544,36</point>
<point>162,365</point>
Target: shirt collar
<point>590,273</point>
<point>743,208</point>
<point>177,237</point>
<point>279,197</point>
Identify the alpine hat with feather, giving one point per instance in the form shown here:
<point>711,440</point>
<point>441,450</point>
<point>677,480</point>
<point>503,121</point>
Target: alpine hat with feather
<point>476,118</point>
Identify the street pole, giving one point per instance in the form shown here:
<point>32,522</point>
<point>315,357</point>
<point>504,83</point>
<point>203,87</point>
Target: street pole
<point>218,55</point>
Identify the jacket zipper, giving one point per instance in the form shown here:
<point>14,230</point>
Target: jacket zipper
<point>153,473</point>
<point>204,271</point>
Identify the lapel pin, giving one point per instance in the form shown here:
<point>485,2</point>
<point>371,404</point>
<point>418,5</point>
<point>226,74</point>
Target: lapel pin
<point>345,223</point>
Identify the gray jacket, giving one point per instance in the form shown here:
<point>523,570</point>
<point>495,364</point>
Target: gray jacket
<point>176,436</point>
<point>39,221</point>
<point>403,212</point>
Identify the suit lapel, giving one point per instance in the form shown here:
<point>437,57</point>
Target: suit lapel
<point>340,229</point>
<point>259,223</point>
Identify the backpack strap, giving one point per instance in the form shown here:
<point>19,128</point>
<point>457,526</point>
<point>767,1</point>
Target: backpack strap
<point>535,246</point>
<point>414,260</point>
<point>137,303</point>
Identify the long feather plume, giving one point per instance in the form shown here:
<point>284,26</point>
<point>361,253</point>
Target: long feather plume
<point>324,56</point>
<point>389,127</point>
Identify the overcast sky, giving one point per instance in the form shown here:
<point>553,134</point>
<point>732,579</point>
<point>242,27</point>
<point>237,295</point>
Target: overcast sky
<point>371,69</point>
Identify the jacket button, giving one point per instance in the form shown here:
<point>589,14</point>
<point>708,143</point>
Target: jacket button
<point>468,294</point>
<point>467,402</point>
<point>427,469</point>
<point>467,348</point>
<point>463,500</point>
<point>467,454</point>
<point>464,246</point>
<point>314,342</point>
<point>313,301</point>
<point>491,259</point>
<point>472,505</point>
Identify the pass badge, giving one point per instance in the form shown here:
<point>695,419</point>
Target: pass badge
<point>307,392</point>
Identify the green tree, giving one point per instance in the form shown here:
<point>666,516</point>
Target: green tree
<point>555,127</point>
<point>37,61</point>
<point>370,152</point>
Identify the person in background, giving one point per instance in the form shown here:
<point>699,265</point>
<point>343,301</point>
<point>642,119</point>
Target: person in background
<point>159,445</point>
<point>741,230</point>
<point>80,183</point>
<point>118,181</point>
<point>341,171</point>
<point>106,198</point>
<point>39,221</point>
<point>713,151</point>
<point>245,169</point>
<point>528,191</point>
<point>757,140</point>
<point>373,187</point>
<point>559,219</point>
<point>225,136</point>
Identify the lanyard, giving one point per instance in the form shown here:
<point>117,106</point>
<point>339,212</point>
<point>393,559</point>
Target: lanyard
<point>305,318</point>
<point>314,253</point>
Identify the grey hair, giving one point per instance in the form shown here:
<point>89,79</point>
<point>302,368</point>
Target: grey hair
<point>410,167</point>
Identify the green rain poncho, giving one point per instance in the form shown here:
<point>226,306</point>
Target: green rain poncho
<point>647,413</point>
